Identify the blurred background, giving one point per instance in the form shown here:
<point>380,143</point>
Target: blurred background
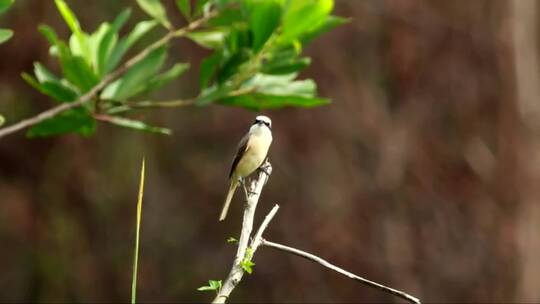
<point>423,174</point>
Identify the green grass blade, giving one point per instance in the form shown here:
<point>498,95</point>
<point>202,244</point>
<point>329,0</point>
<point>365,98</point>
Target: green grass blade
<point>137,233</point>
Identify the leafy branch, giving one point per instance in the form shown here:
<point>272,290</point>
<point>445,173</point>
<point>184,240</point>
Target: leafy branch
<point>256,56</point>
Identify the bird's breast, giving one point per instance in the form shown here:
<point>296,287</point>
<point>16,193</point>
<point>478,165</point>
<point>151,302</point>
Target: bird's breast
<point>253,158</point>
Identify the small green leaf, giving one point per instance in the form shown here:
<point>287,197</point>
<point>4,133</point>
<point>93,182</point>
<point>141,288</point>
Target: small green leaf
<point>5,4</point>
<point>68,15</point>
<point>247,265</point>
<point>78,72</point>
<point>208,69</point>
<point>257,102</point>
<point>132,83</point>
<point>105,40</point>
<point>286,66</point>
<point>164,78</point>
<point>281,85</point>
<point>264,20</point>
<point>155,9</point>
<point>185,8</point>
<point>72,121</point>
<point>52,88</point>
<point>137,125</point>
<point>2,120</point>
<point>5,34</point>
<point>302,16</point>
<point>210,39</point>
<point>212,286</point>
<point>49,34</point>
<point>232,240</point>
<point>141,29</point>
<point>74,26</point>
<point>329,23</point>
<point>232,64</point>
<point>199,6</point>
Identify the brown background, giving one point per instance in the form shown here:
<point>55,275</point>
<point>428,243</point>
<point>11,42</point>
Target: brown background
<point>422,174</point>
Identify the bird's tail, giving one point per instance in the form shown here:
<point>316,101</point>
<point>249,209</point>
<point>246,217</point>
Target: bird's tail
<point>230,194</point>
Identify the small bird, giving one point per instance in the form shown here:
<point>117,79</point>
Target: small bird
<point>252,151</point>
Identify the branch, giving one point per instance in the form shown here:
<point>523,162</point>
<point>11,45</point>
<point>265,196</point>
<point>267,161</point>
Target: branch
<point>252,198</point>
<point>326,264</point>
<point>109,78</point>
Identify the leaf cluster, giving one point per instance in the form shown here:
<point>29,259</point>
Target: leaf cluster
<point>256,57</point>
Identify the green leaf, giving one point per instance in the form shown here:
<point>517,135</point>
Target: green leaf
<point>212,94</point>
<point>43,74</point>
<point>185,8</point>
<point>5,34</point>
<point>51,87</point>
<point>329,23</point>
<point>141,29</point>
<point>212,286</point>
<point>133,81</point>
<point>78,72</point>
<point>247,265</point>
<point>199,6</point>
<point>283,66</point>
<point>210,39</point>
<point>231,66</point>
<point>49,34</point>
<point>229,17</point>
<point>164,78</point>
<point>281,85</point>
<point>232,240</point>
<point>137,125</point>
<point>105,40</point>
<point>73,24</point>
<point>68,15</point>
<point>155,9</point>
<point>208,69</point>
<point>264,20</point>
<point>302,16</point>
<point>2,120</point>
<point>5,4</point>
<point>257,101</point>
<point>72,121</point>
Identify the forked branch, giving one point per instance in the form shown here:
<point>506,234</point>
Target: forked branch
<point>246,250</point>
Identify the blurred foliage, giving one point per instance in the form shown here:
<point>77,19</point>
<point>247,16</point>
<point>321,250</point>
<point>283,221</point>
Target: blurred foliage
<point>5,34</point>
<point>256,44</point>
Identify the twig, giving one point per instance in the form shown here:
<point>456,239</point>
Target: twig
<point>257,239</point>
<point>237,272</point>
<point>326,264</point>
<point>109,78</point>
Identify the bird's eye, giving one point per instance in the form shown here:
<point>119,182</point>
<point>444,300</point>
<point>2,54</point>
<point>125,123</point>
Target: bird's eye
<point>267,123</point>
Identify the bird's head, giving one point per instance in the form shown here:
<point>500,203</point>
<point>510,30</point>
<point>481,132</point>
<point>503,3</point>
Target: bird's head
<point>263,120</point>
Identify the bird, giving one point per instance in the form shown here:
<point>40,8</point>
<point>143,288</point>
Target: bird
<point>252,152</point>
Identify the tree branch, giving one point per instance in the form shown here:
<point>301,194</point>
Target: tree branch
<point>109,78</point>
<point>344,272</point>
<point>252,198</point>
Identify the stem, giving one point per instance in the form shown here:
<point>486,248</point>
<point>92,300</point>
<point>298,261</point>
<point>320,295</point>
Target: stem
<point>237,272</point>
<point>109,78</point>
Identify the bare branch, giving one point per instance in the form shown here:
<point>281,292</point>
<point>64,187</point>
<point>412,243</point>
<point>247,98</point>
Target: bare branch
<point>257,239</point>
<point>344,272</point>
<point>237,272</point>
<point>109,78</point>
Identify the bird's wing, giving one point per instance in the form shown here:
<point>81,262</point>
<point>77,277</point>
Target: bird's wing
<point>243,146</point>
